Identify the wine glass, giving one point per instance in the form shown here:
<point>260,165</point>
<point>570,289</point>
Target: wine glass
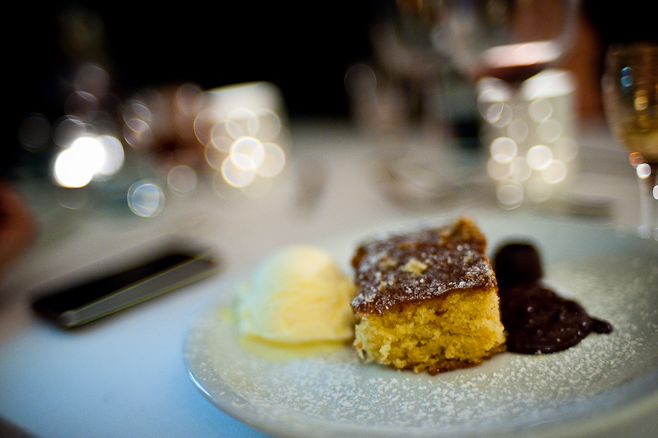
<point>630,97</point>
<point>511,40</point>
<point>508,42</point>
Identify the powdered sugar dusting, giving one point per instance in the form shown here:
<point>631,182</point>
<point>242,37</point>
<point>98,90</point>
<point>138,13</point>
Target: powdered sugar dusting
<point>419,265</point>
<point>509,392</point>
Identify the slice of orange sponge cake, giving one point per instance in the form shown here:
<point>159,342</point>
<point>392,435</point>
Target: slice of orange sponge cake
<point>427,299</point>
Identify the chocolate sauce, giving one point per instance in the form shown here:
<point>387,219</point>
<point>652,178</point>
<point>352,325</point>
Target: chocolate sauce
<point>536,318</point>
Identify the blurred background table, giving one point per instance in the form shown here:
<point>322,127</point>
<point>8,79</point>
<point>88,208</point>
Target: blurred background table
<point>125,375</point>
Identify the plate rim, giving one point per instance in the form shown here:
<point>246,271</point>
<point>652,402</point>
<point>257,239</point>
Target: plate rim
<point>594,424</point>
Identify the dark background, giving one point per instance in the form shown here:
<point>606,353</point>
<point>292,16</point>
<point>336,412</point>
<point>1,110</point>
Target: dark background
<point>304,48</point>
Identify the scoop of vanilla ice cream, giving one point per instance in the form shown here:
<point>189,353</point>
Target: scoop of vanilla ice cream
<point>298,294</point>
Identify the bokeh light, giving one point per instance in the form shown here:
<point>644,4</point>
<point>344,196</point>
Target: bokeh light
<point>236,176</point>
<point>510,194</point>
<point>234,138</point>
<point>205,122</point>
<point>242,122</point>
<point>643,170</point>
<point>114,157</point>
<point>501,114</point>
<point>182,179</point>
<point>247,153</point>
<point>34,132</point>
<point>493,112</point>
<point>555,172</point>
<point>641,101</point>
<point>67,129</point>
<point>490,97</point>
<point>220,137</point>
<point>635,158</point>
<point>520,170</point>
<point>540,110</point>
<point>92,79</point>
<point>135,109</point>
<point>532,150</point>
<point>189,99</point>
<point>273,161</point>
<point>269,125</point>
<point>539,156</point>
<point>71,171</point>
<point>145,199</point>
<point>493,102</point>
<point>518,130</point>
<point>497,170</point>
<point>538,190</point>
<point>76,166</point>
<point>242,142</point>
<point>549,130</point>
<point>82,105</point>
<point>86,159</point>
<point>91,151</point>
<point>626,77</point>
<point>214,157</point>
<point>503,149</point>
<point>235,134</point>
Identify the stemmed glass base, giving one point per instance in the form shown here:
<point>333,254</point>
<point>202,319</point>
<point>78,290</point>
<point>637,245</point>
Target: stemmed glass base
<point>631,106</point>
<point>648,176</point>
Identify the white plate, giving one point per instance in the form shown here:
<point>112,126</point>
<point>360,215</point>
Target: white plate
<point>597,388</point>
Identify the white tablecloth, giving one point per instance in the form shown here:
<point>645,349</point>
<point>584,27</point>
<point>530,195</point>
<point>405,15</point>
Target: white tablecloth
<point>125,375</point>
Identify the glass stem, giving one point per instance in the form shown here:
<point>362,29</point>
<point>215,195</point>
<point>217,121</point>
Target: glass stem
<point>649,204</point>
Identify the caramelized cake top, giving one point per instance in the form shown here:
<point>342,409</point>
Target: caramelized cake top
<point>405,268</point>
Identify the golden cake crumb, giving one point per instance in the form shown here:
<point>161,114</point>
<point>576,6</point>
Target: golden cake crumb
<point>433,315</point>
